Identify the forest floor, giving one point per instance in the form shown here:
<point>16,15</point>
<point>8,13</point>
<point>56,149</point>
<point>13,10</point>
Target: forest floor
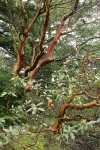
<point>92,142</point>
<point>48,141</point>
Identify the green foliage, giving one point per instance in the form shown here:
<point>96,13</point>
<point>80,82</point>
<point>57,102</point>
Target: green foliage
<point>23,115</point>
<point>70,132</point>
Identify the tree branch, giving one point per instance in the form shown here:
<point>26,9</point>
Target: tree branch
<point>47,3</point>
<point>95,37</point>
<point>57,124</point>
<point>20,54</point>
<point>76,24</point>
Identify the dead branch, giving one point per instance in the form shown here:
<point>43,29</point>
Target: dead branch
<point>77,23</point>
<point>83,43</point>
<point>63,58</point>
<point>20,13</point>
<point>75,119</point>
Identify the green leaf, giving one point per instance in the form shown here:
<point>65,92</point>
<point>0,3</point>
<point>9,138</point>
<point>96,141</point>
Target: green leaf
<point>14,95</point>
<point>33,112</point>
<point>98,120</point>
<point>41,109</point>
<point>39,104</point>
<point>29,110</point>
<point>2,120</point>
<point>3,94</point>
<point>72,136</point>
<point>1,144</point>
<point>6,130</point>
<point>10,129</point>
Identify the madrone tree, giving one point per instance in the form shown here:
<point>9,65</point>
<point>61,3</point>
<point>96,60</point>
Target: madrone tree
<point>72,18</point>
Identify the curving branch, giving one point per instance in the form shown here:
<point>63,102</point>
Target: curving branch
<point>47,3</point>
<point>20,53</point>
<point>90,96</point>
<point>20,14</point>
<point>42,37</point>
<point>37,62</point>
<point>56,37</point>
<point>75,93</point>
<point>58,122</point>
<point>56,126</point>
<point>77,23</point>
<point>83,43</point>
<point>88,61</point>
<point>74,119</point>
<point>48,58</point>
<point>63,58</point>
<point>34,72</point>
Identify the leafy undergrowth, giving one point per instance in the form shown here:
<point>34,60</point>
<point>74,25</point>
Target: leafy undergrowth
<point>48,141</point>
